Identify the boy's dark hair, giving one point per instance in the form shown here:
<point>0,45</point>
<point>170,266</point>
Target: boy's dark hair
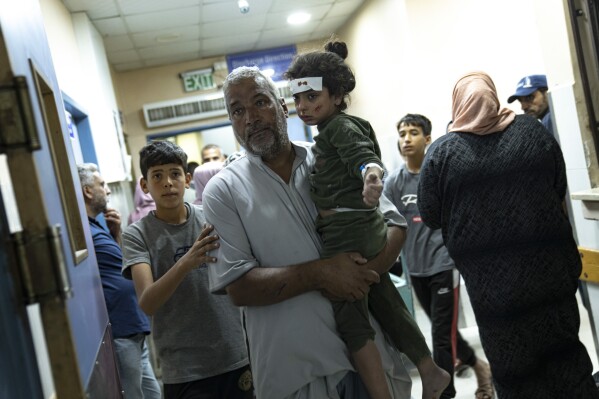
<point>337,76</point>
<point>160,153</point>
<point>191,167</point>
<point>416,120</point>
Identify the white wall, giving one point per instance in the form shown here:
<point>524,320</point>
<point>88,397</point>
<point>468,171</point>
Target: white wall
<point>63,47</point>
<point>100,101</point>
<point>408,54</point>
<point>84,75</point>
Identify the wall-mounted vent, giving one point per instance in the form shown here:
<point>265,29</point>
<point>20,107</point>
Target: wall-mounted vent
<point>194,108</point>
<point>184,109</point>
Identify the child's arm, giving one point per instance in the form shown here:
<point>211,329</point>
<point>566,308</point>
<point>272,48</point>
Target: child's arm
<point>373,185</point>
<point>357,148</point>
<point>152,294</point>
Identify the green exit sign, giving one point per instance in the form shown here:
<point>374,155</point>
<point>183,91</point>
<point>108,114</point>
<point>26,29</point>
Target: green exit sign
<point>198,80</point>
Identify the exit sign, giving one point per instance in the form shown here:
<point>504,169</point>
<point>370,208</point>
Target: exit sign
<point>198,80</point>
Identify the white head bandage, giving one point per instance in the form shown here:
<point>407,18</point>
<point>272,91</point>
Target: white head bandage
<point>305,84</point>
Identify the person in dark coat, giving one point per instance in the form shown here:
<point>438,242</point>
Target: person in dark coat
<point>495,185</point>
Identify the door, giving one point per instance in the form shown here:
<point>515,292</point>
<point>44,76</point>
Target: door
<point>18,370</point>
<point>53,274</point>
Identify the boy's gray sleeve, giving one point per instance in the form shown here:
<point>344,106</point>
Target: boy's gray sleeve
<point>392,215</point>
<point>135,250</point>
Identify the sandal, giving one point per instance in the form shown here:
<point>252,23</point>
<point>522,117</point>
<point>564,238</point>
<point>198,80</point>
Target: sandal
<point>485,391</point>
<point>462,370</point>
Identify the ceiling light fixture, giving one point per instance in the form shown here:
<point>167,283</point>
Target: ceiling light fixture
<point>168,38</point>
<point>298,18</point>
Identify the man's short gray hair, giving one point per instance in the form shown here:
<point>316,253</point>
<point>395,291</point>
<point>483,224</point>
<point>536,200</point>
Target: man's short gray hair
<point>86,173</point>
<point>253,72</point>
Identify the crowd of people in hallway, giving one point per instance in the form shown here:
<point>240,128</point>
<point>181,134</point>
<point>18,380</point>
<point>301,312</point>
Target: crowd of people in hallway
<point>272,281</point>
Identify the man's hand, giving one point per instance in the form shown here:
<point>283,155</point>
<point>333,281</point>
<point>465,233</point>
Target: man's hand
<point>113,222</point>
<point>373,186</point>
<point>346,278</point>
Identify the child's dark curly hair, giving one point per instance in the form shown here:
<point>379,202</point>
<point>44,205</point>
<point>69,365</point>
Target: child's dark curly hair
<point>337,76</point>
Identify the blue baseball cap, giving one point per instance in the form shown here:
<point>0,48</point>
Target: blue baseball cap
<point>528,85</point>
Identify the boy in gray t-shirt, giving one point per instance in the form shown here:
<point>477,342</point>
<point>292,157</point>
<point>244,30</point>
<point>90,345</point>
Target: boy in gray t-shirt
<point>432,271</point>
<point>198,336</point>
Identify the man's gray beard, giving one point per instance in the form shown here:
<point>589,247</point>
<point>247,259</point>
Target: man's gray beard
<point>269,151</point>
<point>99,206</point>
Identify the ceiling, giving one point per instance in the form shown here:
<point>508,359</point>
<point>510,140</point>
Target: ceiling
<point>147,33</point>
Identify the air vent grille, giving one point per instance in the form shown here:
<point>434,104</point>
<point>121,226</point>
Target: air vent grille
<point>194,108</point>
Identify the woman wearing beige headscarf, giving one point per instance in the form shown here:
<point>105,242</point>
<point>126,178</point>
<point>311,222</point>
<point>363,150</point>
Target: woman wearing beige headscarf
<point>495,184</point>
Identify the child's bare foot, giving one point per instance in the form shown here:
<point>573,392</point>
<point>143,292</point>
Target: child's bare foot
<point>484,380</point>
<point>434,379</point>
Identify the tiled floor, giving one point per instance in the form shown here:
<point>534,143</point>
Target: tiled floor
<point>465,387</point>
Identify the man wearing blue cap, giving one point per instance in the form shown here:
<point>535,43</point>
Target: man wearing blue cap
<point>532,94</point>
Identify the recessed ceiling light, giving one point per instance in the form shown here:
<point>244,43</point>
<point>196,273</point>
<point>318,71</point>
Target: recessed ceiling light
<point>298,18</point>
<point>168,38</point>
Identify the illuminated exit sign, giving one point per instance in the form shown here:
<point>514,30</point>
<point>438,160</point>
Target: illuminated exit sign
<point>198,80</point>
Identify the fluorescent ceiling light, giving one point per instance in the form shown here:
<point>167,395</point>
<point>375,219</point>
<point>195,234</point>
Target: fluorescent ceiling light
<point>298,18</point>
<point>168,38</point>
